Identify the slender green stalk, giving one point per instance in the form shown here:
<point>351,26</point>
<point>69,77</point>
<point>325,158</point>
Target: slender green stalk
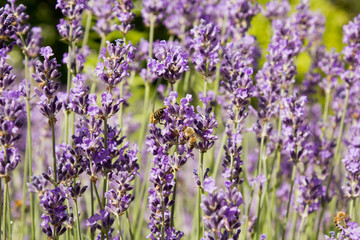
<point>6,189</point>
<point>186,81</point>
<point>162,215</point>
<point>128,219</point>
<point>92,236</point>
<point>87,29</point>
<point>53,150</point>
<point>248,210</point>
<point>105,183</point>
<point>29,143</point>
<point>198,211</point>
<point>303,221</point>
<point>336,159</point>
<point>327,103</point>
<point>97,196</point>
<point>352,208</point>
<point>174,197</point>
<point>200,171</point>
<point>121,109</point>
<point>288,205</point>
<point>78,219</point>
<point>263,133</point>
<point>278,161</point>
<point>205,86</point>
<point>68,86</point>
<point>24,190</point>
<point>219,155</point>
<point>5,210</point>
<point>293,228</point>
<point>119,226</point>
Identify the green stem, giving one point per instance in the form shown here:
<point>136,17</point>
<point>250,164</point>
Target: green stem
<point>186,81</point>
<point>5,208</point>
<point>119,226</point>
<point>263,133</point>
<point>293,229</point>
<point>352,208</point>
<point>53,150</point>
<point>97,196</point>
<point>121,110</point>
<point>303,220</point>
<point>205,87</point>
<point>289,202</point>
<point>78,219</point>
<point>162,215</point>
<point>200,191</point>
<point>92,236</point>
<point>219,155</point>
<point>87,29</point>
<point>174,198</point>
<point>105,183</point>
<point>128,219</point>
<point>24,190</point>
<point>198,236</point>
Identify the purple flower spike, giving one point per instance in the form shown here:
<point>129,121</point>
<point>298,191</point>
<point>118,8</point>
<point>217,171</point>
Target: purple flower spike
<point>105,225</point>
<point>119,196</point>
<point>311,193</point>
<point>55,217</point>
<point>205,44</point>
<point>157,9</point>
<point>170,63</point>
<point>221,212</point>
<point>277,9</point>
<point>8,163</point>
<point>70,29</point>
<point>115,67</point>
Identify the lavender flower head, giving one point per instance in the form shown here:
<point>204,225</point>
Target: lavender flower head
<point>119,196</point>
<point>240,14</point>
<point>294,129</point>
<point>116,64</point>
<point>221,211</point>
<point>55,215</point>
<point>311,194</point>
<point>351,37</point>
<point>351,163</point>
<point>70,29</point>
<point>170,63</point>
<point>205,44</point>
<point>153,9</point>
<point>46,73</point>
<point>277,9</point>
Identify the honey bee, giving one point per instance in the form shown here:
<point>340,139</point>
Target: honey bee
<point>189,136</point>
<point>157,115</point>
<point>188,132</point>
<point>192,142</point>
<point>340,220</point>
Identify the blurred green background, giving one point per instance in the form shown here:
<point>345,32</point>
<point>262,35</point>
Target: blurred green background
<point>337,13</point>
